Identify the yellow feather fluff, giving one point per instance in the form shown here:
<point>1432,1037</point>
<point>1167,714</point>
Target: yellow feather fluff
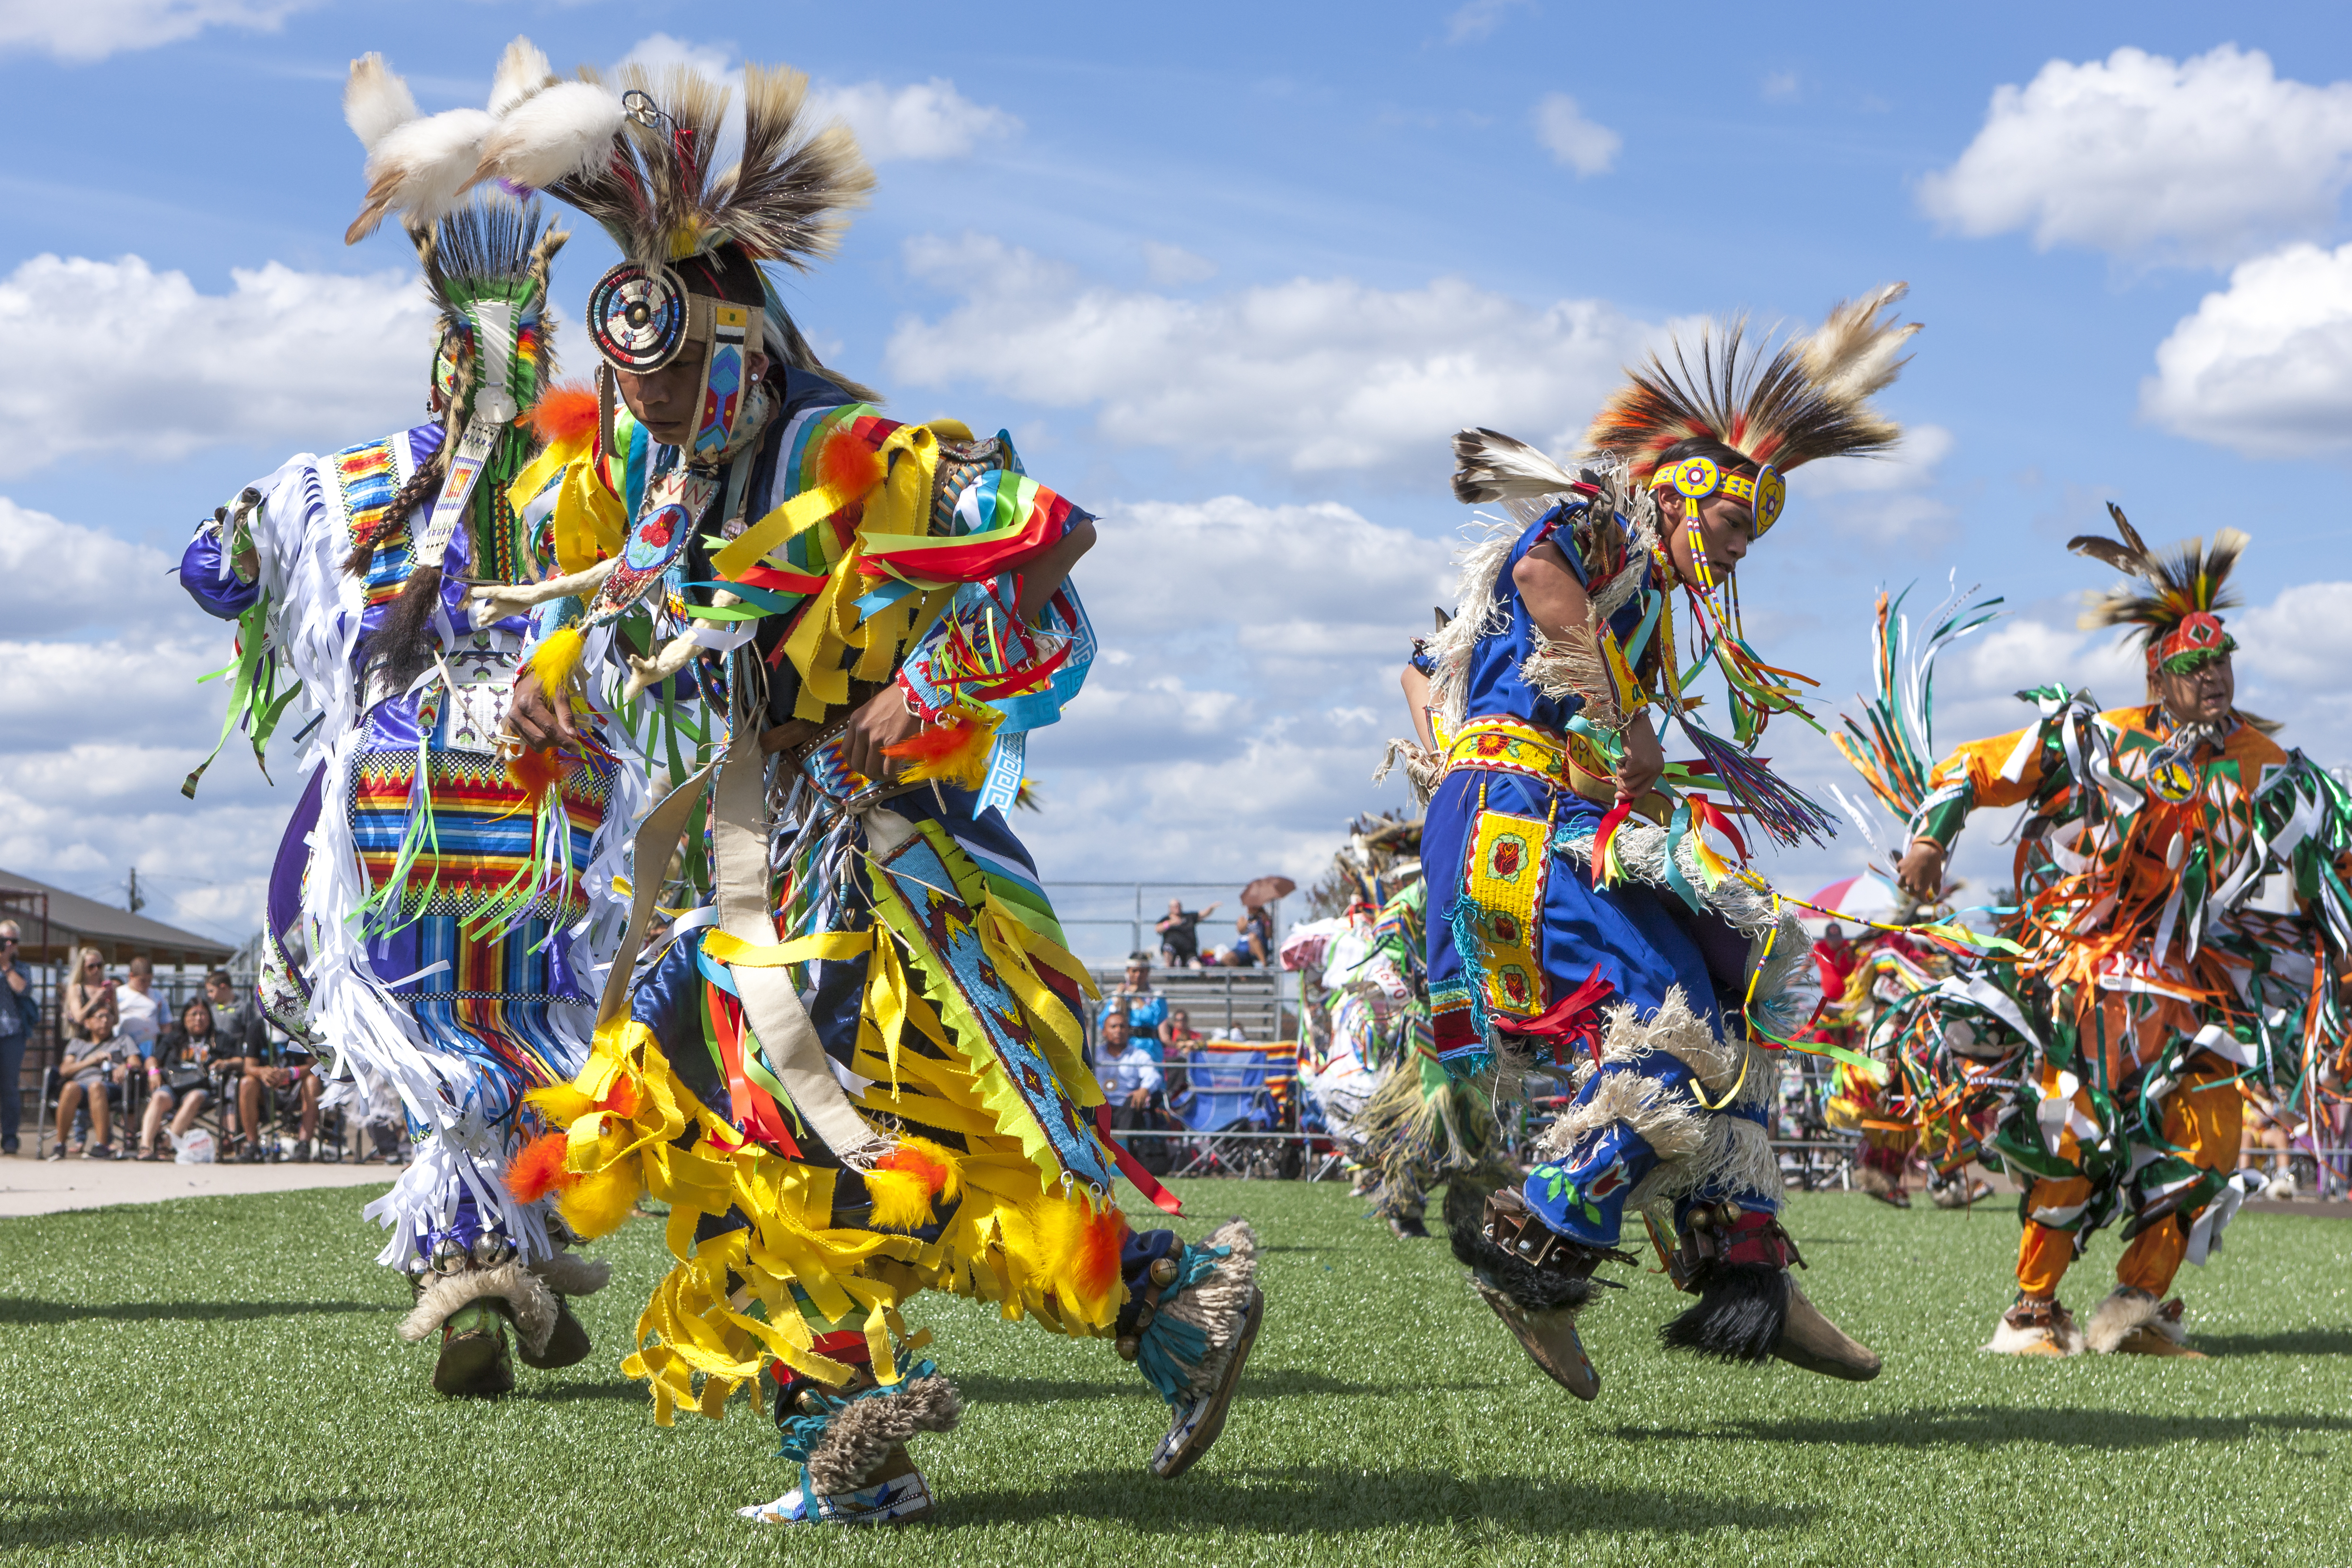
<point>560,1104</point>
<point>598,1204</point>
<point>556,660</point>
<point>901,1200</point>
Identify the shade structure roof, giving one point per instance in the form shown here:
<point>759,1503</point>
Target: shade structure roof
<point>73,921</point>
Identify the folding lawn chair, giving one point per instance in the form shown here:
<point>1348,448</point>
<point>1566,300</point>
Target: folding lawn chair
<point>1234,1091</point>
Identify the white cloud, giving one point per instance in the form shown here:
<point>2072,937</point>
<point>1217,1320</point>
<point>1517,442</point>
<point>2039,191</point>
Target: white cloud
<point>1479,18</point>
<point>2265,366</point>
<point>1573,141</point>
<point>1248,685</point>
<point>1780,87</point>
<point>658,51</point>
<point>2208,159</point>
<point>57,577</point>
<point>1885,498</point>
<point>93,30</point>
<point>2300,641</point>
<point>116,356</point>
<point>1171,266</point>
<point>1310,375</point>
<point>918,121</point>
<point>924,120</point>
<point>97,733</point>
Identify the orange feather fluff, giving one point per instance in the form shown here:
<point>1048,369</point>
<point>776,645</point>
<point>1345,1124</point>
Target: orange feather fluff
<point>536,773</point>
<point>1095,1268</point>
<point>848,465</point>
<point>934,1174</point>
<point>565,414</point>
<point>621,1100</point>
<point>537,1169</point>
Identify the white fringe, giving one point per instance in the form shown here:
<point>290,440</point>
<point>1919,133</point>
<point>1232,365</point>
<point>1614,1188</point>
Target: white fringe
<point>371,1042</point>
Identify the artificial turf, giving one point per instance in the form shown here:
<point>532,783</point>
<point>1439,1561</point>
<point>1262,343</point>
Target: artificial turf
<point>216,1381</point>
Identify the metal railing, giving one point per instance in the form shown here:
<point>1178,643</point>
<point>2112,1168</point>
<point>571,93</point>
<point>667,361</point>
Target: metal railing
<point>1328,1149</point>
<point>1136,913</point>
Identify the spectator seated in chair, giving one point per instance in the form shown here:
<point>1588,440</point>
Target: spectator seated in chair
<point>137,1005</point>
<point>1130,1074</point>
<point>238,1031</point>
<point>179,1076</point>
<point>1256,928</point>
<point>288,1081</point>
<point>90,1073</point>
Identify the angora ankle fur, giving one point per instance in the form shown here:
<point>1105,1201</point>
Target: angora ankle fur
<point>860,1436</point>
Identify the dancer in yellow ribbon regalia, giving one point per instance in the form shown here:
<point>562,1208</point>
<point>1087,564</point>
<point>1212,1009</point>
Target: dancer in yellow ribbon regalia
<point>850,1062</point>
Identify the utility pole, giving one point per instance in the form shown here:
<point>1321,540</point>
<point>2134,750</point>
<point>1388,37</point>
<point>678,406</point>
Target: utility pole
<point>137,903</point>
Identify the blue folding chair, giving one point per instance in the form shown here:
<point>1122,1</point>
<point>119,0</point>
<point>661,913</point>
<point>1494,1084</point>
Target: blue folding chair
<point>1236,1088</point>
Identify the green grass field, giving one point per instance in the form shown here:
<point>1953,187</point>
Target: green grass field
<point>216,1381</point>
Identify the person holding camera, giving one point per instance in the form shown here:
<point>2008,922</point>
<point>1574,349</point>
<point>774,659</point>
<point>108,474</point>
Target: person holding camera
<point>20,1015</point>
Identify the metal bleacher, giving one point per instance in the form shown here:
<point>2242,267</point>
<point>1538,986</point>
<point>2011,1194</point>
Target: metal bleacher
<point>1250,1000</point>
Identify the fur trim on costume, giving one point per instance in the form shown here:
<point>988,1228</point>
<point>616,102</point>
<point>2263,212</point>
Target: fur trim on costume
<point>1740,1313</point>
<point>2123,1313</point>
<point>860,1434</point>
<point>1530,1288</point>
<point>1874,1181</point>
<point>1478,610</point>
<point>1788,986</point>
<point>1219,1304</point>
<point>569,1276</point>
<point>532,1304</point>
<point>1694,1147</point>
<point>2009,1339</point>
<point>1412,1134</point>
<point>1573,667</point>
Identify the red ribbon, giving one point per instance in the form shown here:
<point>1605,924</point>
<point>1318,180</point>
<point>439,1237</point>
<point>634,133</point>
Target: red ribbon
<point>755,1110</point>
<point>1610,822</point>
<point>1145,1182</point>
<point>1574,1019</point>
<point>1705,814</point>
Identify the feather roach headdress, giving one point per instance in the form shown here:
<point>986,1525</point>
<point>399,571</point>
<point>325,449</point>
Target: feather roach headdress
<point>2175,613</point>
<point>645,155</point>
<point>1810,399</point>
<point>485,260</point>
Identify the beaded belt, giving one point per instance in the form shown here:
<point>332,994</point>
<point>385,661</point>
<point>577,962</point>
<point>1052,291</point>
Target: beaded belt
<point>1506,745</point>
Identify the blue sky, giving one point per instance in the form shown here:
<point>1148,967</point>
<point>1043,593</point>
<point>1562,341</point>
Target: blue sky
<point>1230,277</point>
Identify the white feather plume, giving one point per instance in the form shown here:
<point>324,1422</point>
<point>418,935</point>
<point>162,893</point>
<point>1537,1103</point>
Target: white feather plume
<point>1852,355</point>
<point>422,168</point>
<point>1490,465</point>
<point>556,131</point>
<point>522,71</point>
<point>375,101</point>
